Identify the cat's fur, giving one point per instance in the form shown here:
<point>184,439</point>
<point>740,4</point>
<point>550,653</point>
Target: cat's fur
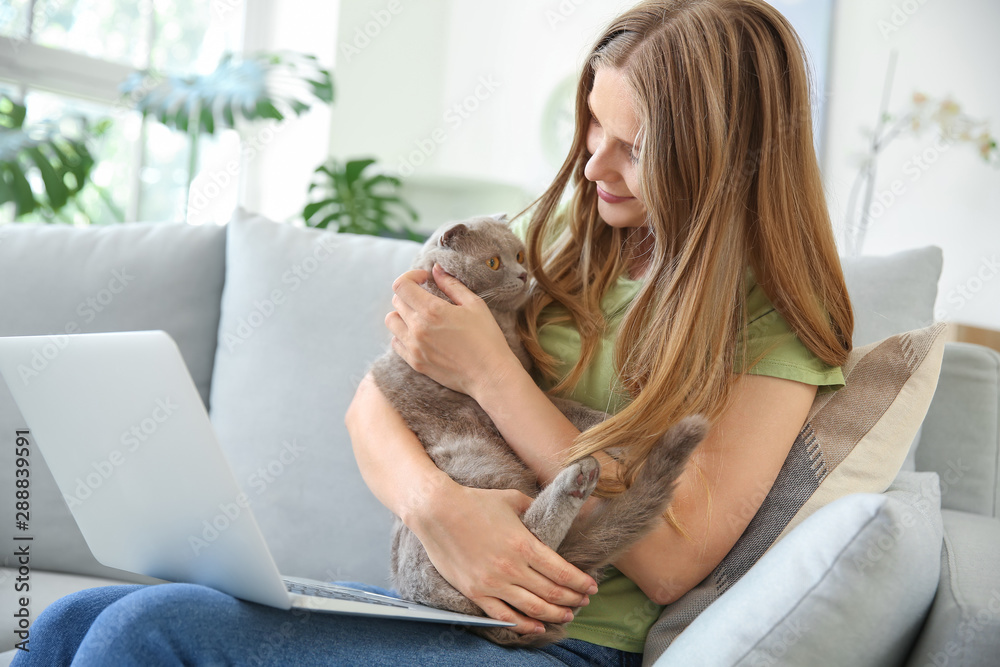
<point>462,440</point>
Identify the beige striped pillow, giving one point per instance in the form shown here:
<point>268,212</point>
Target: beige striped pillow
<point>854,441</point>
<point>858,436</point>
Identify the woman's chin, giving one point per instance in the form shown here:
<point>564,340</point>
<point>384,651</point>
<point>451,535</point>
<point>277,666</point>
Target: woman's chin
<point>625,214</point>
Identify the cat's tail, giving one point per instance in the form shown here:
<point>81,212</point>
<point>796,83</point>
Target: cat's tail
<point>619,522</point>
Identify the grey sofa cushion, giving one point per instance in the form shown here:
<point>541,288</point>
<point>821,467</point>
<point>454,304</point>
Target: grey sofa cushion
<point>297,334</point>
<point>892,293</point>
<point>850,586</point>
<point>961,434</point>
<point>58,279</point>
<point>963,628</point>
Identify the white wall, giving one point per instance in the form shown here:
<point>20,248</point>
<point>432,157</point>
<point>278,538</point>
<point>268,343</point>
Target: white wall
<point>403,65</point>
<point>278,170</point>
<point>451,93</point>
<point>949,198</point>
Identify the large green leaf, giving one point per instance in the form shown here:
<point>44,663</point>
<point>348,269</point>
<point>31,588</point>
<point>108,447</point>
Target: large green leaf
<point>263,86</point>
<point>347,198</point>
<point>55,187</point>
<point>353,169</point>
<point>58,163</point>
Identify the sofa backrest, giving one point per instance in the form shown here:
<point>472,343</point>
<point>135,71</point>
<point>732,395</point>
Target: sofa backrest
<point>960,438</point>
<point>277,355</point>
<point>58,279</point>
<point>302,320</point>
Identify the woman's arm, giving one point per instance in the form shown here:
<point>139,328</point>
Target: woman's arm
<point>461,347</point>
<point>483,549</point>
<point>716,498</point>
<point>734,468</point>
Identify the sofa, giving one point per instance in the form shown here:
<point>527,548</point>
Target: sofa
<point>278,323</point>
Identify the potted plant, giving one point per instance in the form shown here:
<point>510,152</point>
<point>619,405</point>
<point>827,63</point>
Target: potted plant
<point>347,199</point>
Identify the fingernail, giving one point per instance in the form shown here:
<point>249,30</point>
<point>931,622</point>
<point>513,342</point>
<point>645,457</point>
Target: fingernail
<point>539,629</point>
<point>586,601</point>
<point>568,617</point>
<point>592,589</point>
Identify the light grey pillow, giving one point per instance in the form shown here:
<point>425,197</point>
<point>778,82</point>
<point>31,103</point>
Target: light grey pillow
<point>961,435</point>
<point>60,279</point>
<point>892,293</point>
<point>302,319</point>
<point>851,585</point>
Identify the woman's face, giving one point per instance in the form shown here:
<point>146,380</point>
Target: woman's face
<point>613,153</point>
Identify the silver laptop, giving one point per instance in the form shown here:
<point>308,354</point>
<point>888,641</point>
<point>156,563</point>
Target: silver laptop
<point>123,429</point>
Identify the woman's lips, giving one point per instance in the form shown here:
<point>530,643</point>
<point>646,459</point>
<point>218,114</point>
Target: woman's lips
<point>610,198</point>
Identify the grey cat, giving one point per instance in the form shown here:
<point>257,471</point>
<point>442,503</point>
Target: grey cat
<point>464,443</point>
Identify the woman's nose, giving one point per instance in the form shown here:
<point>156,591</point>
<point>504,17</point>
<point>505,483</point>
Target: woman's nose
<point>597,168</point>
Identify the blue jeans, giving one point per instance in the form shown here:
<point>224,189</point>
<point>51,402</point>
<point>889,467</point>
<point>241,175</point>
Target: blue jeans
<point>187,624</point>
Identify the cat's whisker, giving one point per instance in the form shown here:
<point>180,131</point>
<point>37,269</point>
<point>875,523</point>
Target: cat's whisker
<point>489,294</point>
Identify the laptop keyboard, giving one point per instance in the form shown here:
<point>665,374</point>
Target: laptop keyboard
<point>340,593</point>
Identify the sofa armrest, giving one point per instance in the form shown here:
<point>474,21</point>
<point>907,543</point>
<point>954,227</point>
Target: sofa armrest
<point>960,437</point>
<point>963,626</point>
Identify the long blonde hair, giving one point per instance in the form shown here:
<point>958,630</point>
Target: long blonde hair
<point>729,178</point>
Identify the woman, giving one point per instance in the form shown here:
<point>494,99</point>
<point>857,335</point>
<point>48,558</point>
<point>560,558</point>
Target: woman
<point>695,241</point>
<point>693,175</point>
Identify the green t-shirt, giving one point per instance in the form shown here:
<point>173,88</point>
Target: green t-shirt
<point>619,614</point>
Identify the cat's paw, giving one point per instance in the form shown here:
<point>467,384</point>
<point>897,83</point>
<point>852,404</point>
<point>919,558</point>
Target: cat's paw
<point>557,506</point>
<point>582,484</point>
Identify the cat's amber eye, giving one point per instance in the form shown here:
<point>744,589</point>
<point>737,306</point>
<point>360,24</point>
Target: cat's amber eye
<point>494,263</point>
<point>520,258</point>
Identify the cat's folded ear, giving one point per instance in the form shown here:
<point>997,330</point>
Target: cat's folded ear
<point>499,217</point>
<point>453,234</point>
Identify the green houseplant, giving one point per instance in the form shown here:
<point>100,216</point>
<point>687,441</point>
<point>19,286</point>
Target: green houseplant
<point>240,90</point>
<point>43,167</point>
<point>345,198</point>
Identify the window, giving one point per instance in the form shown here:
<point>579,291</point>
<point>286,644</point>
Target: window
<point>67,57</point>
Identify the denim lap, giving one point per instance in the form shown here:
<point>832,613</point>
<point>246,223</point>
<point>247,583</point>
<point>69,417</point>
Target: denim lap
<point>175,624</point>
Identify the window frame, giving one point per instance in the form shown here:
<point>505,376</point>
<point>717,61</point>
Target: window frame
<point>30,66</point>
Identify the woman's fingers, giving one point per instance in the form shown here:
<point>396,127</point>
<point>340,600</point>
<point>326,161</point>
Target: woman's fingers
<point>408,291</point>
<point>415,276</point>
<point>525,607</point>
<point>485,551</point>
<point>453,288</point>
<point>458,345</point>
<point>522,606</point>
<point>567,585</point>
<point>499,610</point>
<point>571,584</point>
<point>540,597</point>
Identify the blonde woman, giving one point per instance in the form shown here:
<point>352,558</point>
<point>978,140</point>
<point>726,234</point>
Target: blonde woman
<point>692,269</point>
<point>695,236</point>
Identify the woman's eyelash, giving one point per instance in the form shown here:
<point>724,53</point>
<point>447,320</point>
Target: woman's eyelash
<point>631,152</point>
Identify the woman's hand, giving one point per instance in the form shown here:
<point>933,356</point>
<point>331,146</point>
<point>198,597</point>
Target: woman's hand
<point>457,345</point>
<point>476,540</point>
<point>474,537</point>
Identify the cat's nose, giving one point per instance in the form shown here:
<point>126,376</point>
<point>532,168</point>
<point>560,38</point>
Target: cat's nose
<point>523,276</point>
